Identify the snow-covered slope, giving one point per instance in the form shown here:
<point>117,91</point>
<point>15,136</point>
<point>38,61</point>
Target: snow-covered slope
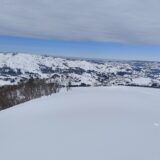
<point>112,123</point>
<point>17,67</point>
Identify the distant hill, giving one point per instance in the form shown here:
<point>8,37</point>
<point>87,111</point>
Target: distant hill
<point>16,67</point>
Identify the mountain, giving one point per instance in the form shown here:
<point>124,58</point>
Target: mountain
<point>16,67</point>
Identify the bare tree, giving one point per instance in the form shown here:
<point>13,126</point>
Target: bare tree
<point>69,84</point>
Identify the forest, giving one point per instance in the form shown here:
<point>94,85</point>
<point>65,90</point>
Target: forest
<point>11,95</point>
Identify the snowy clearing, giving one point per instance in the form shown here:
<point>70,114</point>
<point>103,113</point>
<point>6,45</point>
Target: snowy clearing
<point>142,81</point>
<point>103,123</point>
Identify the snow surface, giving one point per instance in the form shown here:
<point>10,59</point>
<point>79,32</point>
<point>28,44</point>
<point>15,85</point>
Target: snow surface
<point>142,81</point>
<point>103,123</point>
<point>3,83</point>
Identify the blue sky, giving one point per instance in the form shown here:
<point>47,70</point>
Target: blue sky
<point>80,48</point>
<point>114,29</point>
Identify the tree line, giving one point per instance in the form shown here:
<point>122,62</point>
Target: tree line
<point>11,95</point>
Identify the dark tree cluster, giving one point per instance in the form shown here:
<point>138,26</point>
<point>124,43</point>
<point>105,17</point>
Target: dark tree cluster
<point>33,88</point>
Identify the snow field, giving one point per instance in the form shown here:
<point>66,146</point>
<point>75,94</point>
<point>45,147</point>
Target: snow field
<point>114,123</point>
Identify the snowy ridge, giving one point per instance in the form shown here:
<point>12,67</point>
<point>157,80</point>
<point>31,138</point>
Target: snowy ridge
<point>16,67</point>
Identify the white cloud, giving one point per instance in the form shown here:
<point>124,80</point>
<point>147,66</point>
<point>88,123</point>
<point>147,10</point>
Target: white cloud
<point>125,21</point>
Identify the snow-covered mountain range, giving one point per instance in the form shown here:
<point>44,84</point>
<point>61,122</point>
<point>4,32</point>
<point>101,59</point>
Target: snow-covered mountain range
<point>17,67</point>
